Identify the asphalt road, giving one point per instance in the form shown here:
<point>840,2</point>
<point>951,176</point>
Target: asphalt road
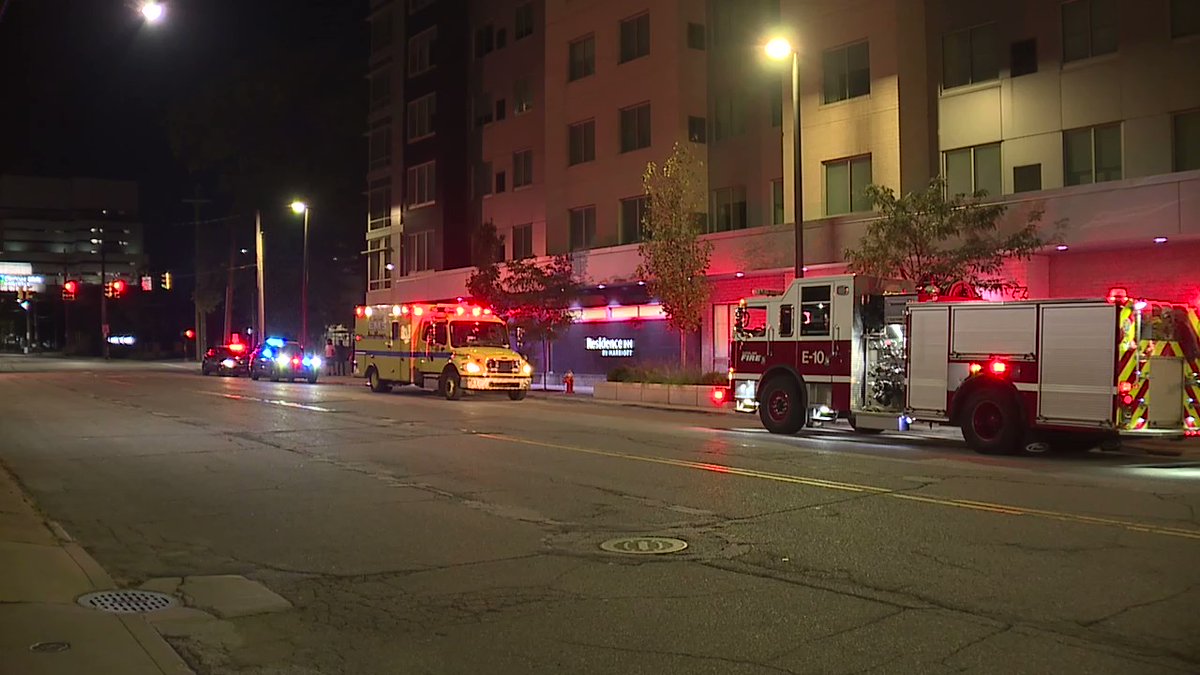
<point>416,535</point>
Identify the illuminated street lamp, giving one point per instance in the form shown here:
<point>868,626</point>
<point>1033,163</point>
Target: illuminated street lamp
<point>299,207</point>
<point>779,49</point>
<point>153,11</point>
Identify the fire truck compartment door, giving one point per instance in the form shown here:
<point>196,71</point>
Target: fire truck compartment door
<point>994,331</point>
<point>928,361</point>
<point>1077,363</point>
<point>1164,400</point>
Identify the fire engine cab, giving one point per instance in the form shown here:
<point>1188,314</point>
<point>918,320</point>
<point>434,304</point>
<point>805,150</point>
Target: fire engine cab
<point>450,348</point>
<point>1023,376</point>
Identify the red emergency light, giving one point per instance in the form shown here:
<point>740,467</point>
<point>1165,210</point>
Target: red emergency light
<point>1117,295</point>
<point>237,347</point>
<point>998,367</point>
<point>718,395</point>
<point>360,311</point>
<point>460,311</point>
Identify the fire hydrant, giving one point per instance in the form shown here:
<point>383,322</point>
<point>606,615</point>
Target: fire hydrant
<point>569,381</point>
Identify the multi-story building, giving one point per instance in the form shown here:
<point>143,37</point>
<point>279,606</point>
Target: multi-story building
<point>1085,110</point>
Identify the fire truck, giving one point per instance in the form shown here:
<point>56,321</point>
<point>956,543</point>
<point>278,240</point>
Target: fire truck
<point>450,348</point>
<point>1017,377</point>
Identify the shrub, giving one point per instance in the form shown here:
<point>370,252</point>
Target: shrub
<point>664,374</point>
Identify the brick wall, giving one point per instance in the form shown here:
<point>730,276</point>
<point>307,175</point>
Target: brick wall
<point>1168,272</point>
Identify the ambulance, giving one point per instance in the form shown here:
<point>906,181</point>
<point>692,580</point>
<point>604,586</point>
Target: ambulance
<point>443,347</point>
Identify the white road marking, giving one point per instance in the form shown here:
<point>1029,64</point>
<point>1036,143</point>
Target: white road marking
<point>272,401</point>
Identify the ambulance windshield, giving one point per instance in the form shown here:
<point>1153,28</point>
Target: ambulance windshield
<point>478,334</point>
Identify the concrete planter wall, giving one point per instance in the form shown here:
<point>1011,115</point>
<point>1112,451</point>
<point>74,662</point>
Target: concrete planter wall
<point>688,396</point>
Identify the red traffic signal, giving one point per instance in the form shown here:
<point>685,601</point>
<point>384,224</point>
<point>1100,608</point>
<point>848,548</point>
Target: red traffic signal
<point>69,289</point>
<point>189,334</point>
<point>118,287</point>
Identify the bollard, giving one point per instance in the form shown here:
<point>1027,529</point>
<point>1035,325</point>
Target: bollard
<point>569,380</point>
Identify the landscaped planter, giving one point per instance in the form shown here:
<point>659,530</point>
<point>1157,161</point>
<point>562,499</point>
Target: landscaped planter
<point>684,395</point>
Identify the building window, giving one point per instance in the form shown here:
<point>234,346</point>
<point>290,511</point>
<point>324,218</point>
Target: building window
<point>523,25</point>
<point>633,214</point>
<point>501,109</point>
<point>1027,178</point>
<point>971,170</point>
<point>422,184</point>
<point>729,209</point>
<point>1089,28</point>
<point>522,168</point>
<point>847,72</point>
<point>483,180</point>
<point>583,228</point>
<point>420,117</point>
<point>1092,155</point>
<point>420,52</point>
<point>415,6</point>
<point>777,202</point>
<point>418,252</point>
<point>379,150</point>
<point>1187,141</point>
<point>846,182</point>
<point>581,58</point>
<point>730,118</point>
<point>522,241</point>
<point>697,129</point>
<point>1023,59</point>
<point>485,37</point>
<point>582,141</point>
<point>635,128</point>
<point>379,256</point>
<point>522,96</point>
<point>635,38</point>
<point>379,205</point>
<point>381,89</point>
<point>695,36</point>
<point>1185,18</point>
<point>483,109</point>
<point>381,32</point>
<point>501,182</point>
<point>970,56</point>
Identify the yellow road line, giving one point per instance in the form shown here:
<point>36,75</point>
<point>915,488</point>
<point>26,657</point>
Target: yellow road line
<point>986,507</point>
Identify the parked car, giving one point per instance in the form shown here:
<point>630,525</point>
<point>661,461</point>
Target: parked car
<point>280,360</point>
<point>225,360</point>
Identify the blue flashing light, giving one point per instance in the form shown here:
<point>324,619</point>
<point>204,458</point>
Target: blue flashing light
<point>267,353</point>
<point>275,342</point>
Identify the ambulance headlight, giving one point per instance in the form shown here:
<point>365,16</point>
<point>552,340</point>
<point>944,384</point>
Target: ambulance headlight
<point>473,368</point>
<point>526,369</point>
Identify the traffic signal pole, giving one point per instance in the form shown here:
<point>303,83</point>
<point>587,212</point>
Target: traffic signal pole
<point>104,346</point>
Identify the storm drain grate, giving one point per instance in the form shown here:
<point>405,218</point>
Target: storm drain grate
<point>127,601</point>
<point>644,545</point>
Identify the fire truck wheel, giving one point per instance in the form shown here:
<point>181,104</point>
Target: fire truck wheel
<point>377,385</point>
<point>991,423</point>
<point>782,409</point>
<point>450,385</point>
<point>518,395</point>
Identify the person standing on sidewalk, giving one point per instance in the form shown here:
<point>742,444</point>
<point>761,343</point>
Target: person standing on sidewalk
<point>330,358</point>
<point>343,355</point>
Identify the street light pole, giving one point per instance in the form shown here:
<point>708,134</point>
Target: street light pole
<point>797,168</point>
<point>304,290</point>
<point>261,327</point>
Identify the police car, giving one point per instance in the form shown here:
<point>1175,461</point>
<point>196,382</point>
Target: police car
<point>280,359</point>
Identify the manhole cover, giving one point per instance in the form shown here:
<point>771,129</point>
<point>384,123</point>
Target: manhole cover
<point>49,647</point>
<point>644,545</point>
<point>127,601</point>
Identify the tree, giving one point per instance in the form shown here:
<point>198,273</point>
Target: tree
<point>533,296</point>
<point>674,258</point>
<point>936,241</point>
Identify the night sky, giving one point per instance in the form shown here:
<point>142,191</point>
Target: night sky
<point>88,89</point>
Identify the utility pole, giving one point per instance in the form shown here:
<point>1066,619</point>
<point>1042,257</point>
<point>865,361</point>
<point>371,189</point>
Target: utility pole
<point>104,346</point>
<point>196,201</point>
<point>261,326</point>
<point>229,288</point>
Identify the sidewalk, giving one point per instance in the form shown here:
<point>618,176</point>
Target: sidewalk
<point>42,628</point>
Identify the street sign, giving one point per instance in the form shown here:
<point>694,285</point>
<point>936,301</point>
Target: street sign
<point>147,283</point>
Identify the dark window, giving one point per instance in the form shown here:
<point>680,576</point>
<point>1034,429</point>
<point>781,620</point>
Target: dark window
<point>501,179</point>
<point>583,228</point>
<point>522,241</point>
<point>1187,141</point>
<point>1185,18</point>
<point>1089,28</point>
<point>695,36</point>
<point>1092,155</point>
<point>729,117</point>
<point>846,182</point>
<point>633,215</point>
<point>379,205</point>
<point>439,333</point>
<point>484,41</point>
<point>522,96</point>
<point>483,109</point>
<point>501,109</point>
<point>635,128</point>
<point>635,38</point>
<point>729,208</point>
<point>785,321</point>
<point>380,146</point>
<point>847,72</point>
<point>970,56</point>
<point>483,180</point>
<point>381,32</point>
<point>1023,58</point>
<point>1027,178</point>
<point>582,141</point>
<point>814,310</point>
<point>501,38</point>
<point>697,129</point>
<point>522,168</point>
<point>381,89</point>
<point>523,25</point>
<point>582,58</point>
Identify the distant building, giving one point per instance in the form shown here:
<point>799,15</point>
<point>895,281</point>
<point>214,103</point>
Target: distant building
<point>1086,109</point>
<point>58,225</point>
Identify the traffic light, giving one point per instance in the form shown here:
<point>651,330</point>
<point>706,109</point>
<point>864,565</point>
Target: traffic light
<point>167,281</point>
<point>118,288</point>
<point>189,334</point>
<point>69,289</point>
